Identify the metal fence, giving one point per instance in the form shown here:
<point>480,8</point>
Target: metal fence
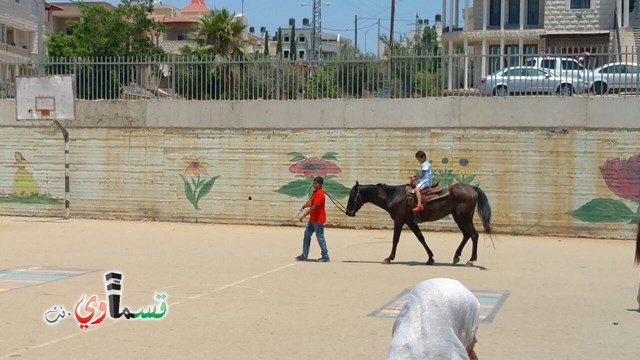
<point>407,76</point>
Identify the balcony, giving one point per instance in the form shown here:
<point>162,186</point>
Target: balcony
<point>15,50</point>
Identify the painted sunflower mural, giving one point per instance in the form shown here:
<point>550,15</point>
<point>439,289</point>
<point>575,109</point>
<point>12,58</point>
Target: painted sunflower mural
<point>308,168</point>
<point>622,177</point>
<point>448,170</point>
<point>196,186</point>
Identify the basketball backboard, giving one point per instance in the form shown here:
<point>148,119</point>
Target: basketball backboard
<point>45,98</point>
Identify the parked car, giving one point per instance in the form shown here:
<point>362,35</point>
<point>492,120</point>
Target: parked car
<point>561,66</point>
<point>615,76</point>
<point>529,80</point>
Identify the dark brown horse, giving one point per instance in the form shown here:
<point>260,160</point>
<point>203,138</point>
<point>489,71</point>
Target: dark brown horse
<point>460,203</point>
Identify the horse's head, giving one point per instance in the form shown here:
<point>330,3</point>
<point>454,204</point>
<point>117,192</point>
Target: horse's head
<point>355,201</point>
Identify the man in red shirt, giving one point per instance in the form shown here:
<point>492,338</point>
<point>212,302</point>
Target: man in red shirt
<point>316,222</point>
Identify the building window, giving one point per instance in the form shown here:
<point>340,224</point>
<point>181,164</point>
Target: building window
<point>580,4</point>
<point>514,12</point>
<point>533,12</point>
<point>302,39</point>
<point>494,12</point>
<point>494,58</point>
<point>513,55</point>
<point>286,38</point>
<point>35,9</point>
<point>285,54</point>
<point>301,54</point>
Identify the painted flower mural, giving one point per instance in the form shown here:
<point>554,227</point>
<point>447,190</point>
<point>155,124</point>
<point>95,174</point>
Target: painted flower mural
<point>308,168</point>
<point>196,187</point>
<point>622,177</point>
<point>448,170</point>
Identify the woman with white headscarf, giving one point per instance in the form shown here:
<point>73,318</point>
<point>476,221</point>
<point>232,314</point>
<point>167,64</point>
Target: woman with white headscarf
<point>438,321</point>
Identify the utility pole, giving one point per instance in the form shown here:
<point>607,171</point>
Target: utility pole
<point>316,30</point>
<point>378,41</point>
<point>355,36</point>
<point>393,15</point>
<point>40,38</point>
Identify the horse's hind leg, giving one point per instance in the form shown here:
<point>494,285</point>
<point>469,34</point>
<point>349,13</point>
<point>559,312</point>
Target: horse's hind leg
<point>465,223</point>
<point>416,231</point>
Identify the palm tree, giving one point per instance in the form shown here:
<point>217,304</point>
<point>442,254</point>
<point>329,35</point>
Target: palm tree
<point>220,33</point>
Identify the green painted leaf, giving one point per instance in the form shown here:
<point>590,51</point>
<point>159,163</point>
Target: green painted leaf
<point>194,182</point>
<point>462,179</point>
<point>296,188</point>
<point>330,155</point>
<point>603,210</point>
<point>206,187</point>
<point>189,193</point>
<point>335,189</point>
<point>297,156</point>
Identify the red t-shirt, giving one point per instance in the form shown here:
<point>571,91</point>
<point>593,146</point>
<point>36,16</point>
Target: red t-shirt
<point>318,215</point>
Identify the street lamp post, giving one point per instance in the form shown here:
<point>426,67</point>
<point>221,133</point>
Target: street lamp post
<point>40,37</point>
<point>365,42</point>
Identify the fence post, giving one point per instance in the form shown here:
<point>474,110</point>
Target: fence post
<point>172,73</point>
<point>278,64</point>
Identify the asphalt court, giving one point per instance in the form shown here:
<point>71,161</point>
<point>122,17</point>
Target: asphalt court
<point>235,292</point>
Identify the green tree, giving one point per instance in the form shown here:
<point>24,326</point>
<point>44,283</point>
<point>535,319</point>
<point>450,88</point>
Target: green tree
<point>124,31</point>
<point>266,44</point>
<point>279,44</point>
<point>220,33</point>
<point>293,52</point>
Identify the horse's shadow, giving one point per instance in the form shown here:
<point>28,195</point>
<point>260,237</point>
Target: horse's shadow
<point>415,263</point>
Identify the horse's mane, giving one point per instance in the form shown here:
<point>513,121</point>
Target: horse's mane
<point>390,190</point>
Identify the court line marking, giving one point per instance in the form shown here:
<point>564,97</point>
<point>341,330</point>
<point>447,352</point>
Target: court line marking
<point>55,341</point>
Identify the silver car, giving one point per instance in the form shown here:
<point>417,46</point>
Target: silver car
<point>529,80</point>
<point>615,76</point>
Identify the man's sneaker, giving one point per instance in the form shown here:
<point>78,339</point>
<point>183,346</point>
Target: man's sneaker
<point>301,258</point>
<point>418,208</point>
<point>324,259</point>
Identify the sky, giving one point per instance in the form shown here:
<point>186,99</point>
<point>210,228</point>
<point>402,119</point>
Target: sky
<point>338,16</point>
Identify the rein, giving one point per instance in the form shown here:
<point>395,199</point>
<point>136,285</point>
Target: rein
<point>336,203</point>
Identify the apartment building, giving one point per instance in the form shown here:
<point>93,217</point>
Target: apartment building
<point>19,36</point>
<point>498,33</point>
<point>19,28</point>
<point>331,44</point>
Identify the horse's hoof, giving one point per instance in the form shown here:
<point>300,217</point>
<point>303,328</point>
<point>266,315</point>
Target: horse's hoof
<point>469,264</point>
<point>456,260</point>
<point>430,262</point>
<point>386,261</point>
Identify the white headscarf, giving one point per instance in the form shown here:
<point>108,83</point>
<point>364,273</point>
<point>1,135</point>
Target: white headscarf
<point>438,321</point>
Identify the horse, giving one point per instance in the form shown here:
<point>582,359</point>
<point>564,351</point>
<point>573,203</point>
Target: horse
<point>460,202</point>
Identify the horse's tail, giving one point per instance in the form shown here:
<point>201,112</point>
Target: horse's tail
<point>637,262</point>
<point>484,210</point>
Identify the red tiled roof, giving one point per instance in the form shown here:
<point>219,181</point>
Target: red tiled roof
<point>196,6</point>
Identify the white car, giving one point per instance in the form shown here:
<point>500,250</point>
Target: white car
<point>529,80</point>
<point>617,76</point>
<point>564,67</point>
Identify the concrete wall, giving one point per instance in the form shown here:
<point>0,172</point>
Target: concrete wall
<point>591,112</point>
<point>539,160</point>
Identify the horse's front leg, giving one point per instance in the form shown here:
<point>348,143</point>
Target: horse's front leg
<point>397,230</point>
<point>416,231</point>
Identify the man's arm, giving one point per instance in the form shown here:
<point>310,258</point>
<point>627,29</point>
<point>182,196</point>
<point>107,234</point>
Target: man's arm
<point>308,211</point>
